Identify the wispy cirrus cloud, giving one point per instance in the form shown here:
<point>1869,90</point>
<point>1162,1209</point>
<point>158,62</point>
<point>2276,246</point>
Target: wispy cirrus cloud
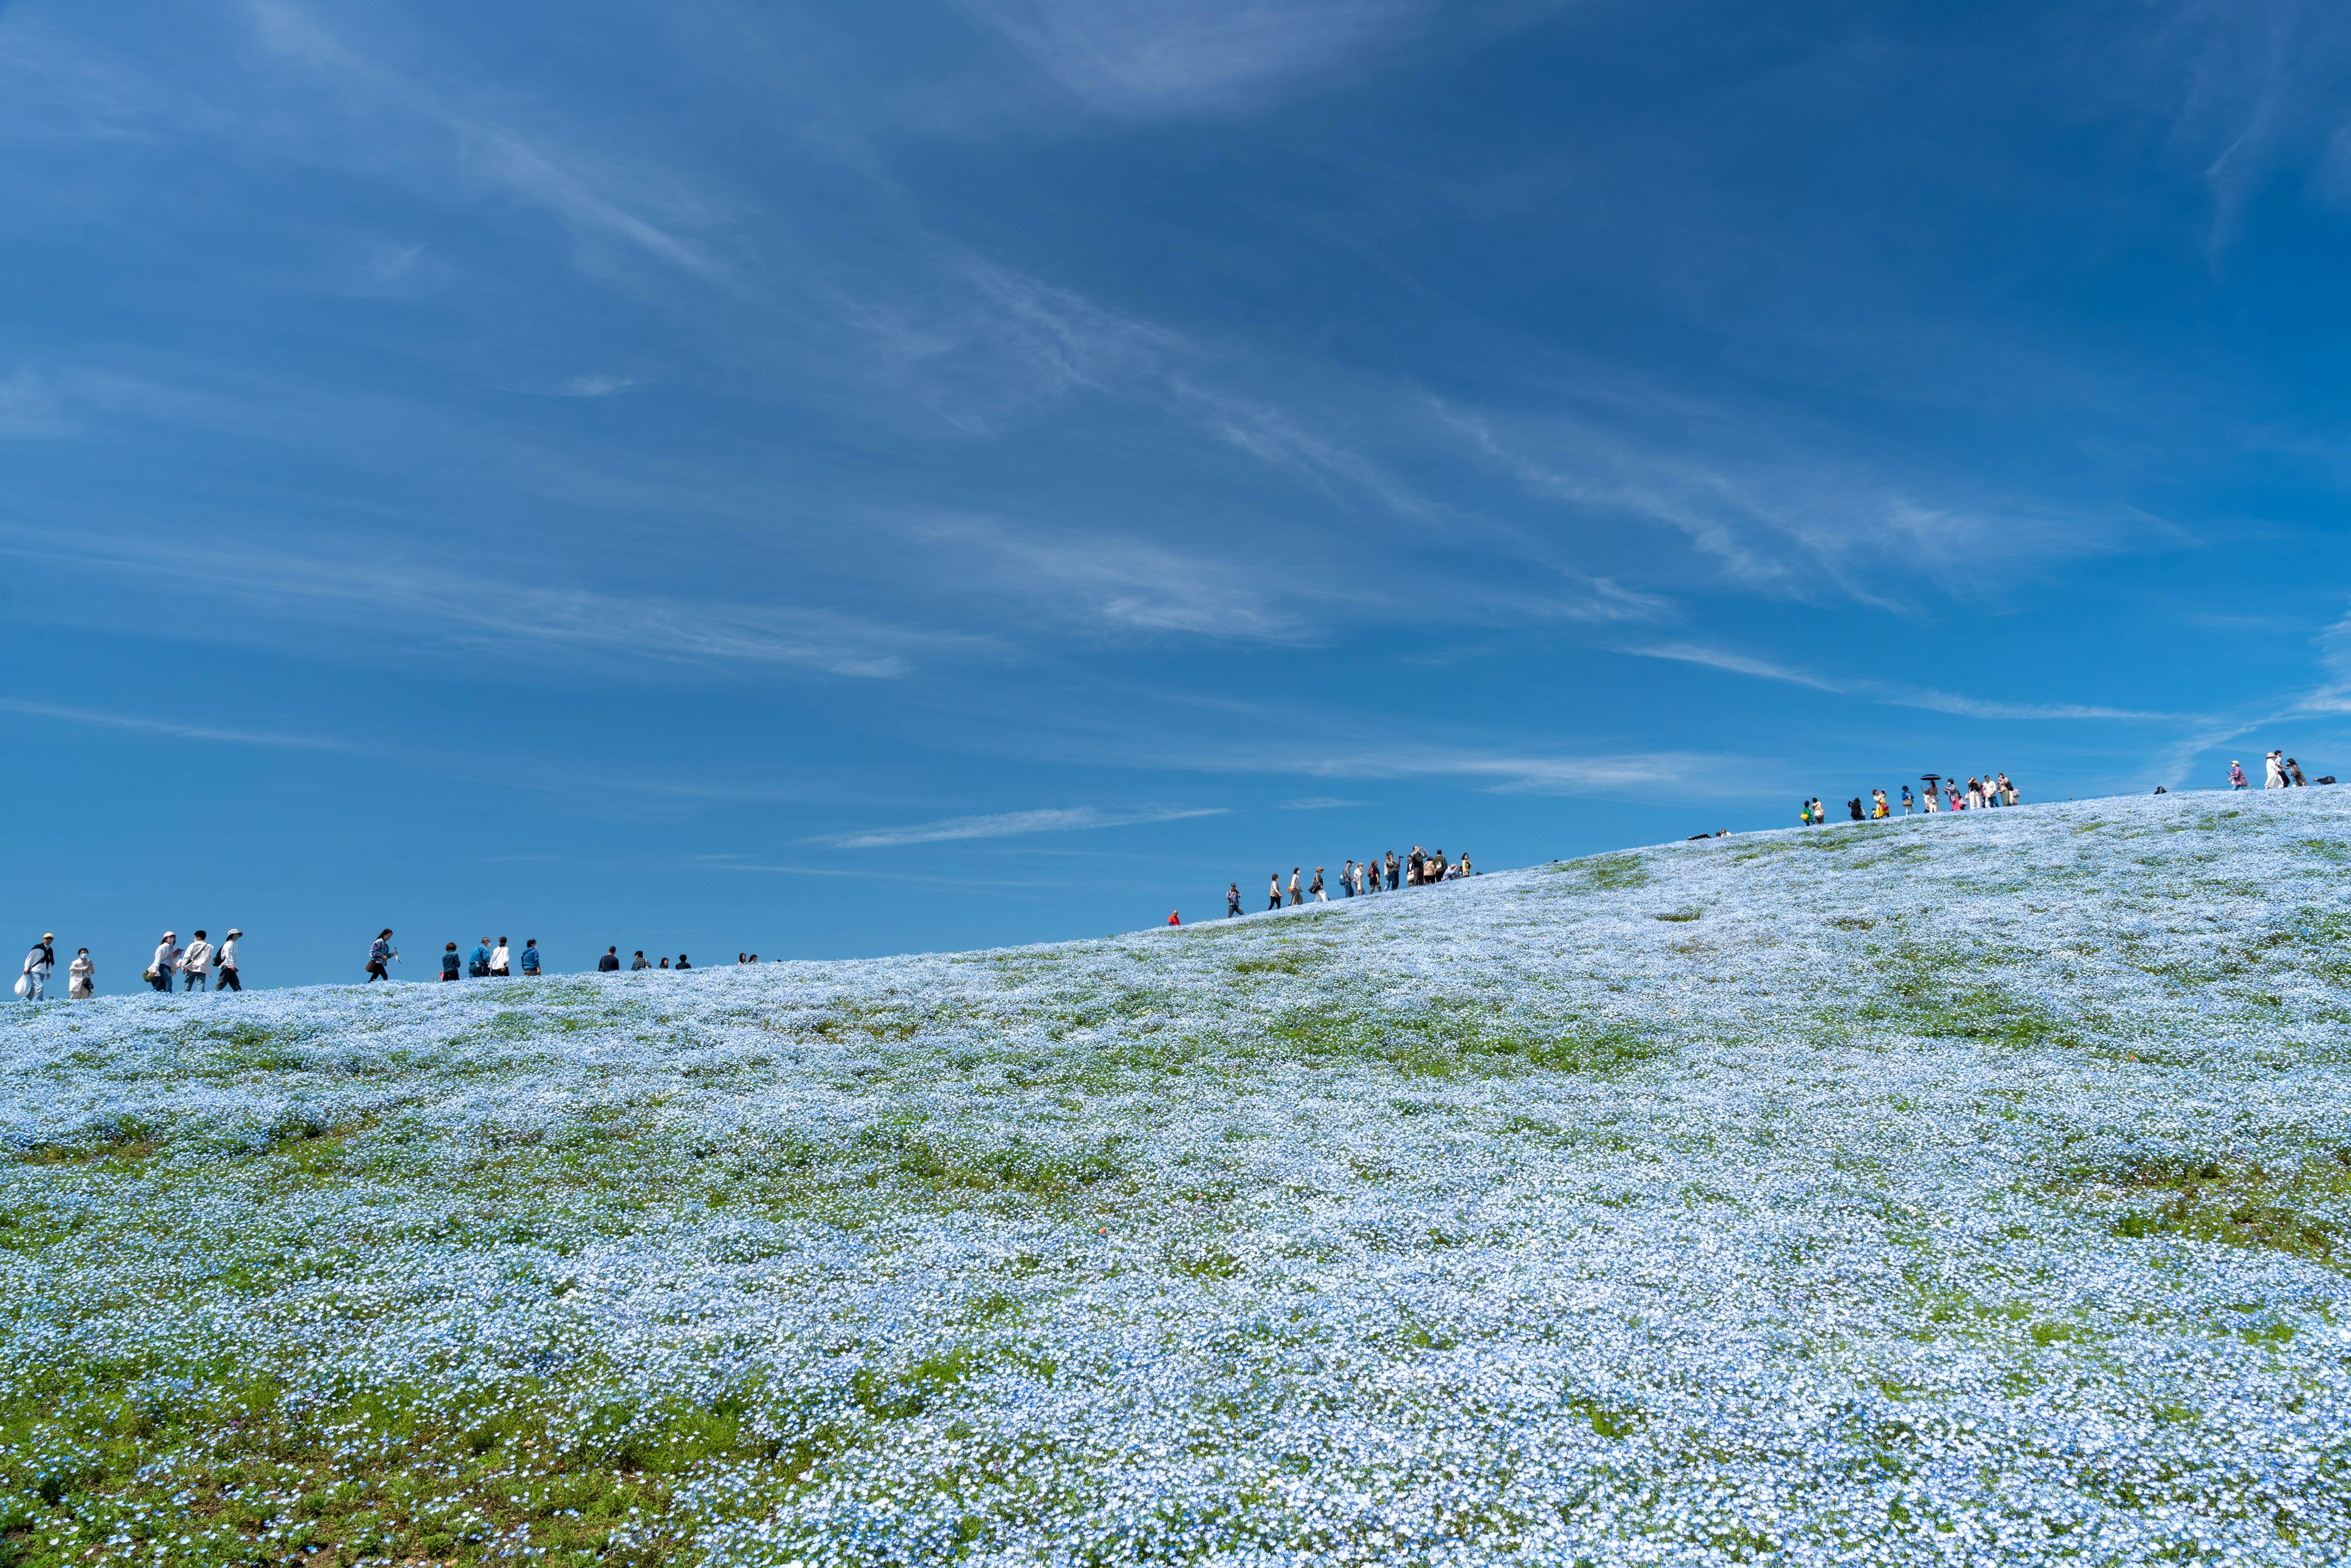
<point>1893,695</point>
<point>1144,58</point>
<point>425,604</point>
<point>1012,824</point>
<point>1318,803</point>
<point>1132,585</point>
<point>170,727</point>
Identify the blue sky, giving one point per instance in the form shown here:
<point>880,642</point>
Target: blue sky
<point>711,476</point>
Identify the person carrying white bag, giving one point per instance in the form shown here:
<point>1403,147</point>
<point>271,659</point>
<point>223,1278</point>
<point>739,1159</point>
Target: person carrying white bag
<point>38,963</point>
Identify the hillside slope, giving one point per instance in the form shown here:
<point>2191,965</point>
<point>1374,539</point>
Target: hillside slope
<point>1957,1190</point>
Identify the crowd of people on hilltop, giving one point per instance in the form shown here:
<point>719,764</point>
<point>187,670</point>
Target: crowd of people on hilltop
<point>2279,771</point>
<point>202,964</point>
<point>1939,795</point>
<point>1388,873</point>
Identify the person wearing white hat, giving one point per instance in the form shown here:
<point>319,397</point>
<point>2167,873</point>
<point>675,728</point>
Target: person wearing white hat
<point>38,963</point>
<point>227,959</point>
<point>166,960</point>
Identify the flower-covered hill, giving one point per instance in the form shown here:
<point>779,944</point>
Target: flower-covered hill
<point>1960,1191</point>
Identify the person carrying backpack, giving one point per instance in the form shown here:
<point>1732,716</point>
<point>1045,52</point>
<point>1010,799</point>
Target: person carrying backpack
<point>227,980</point>
<point>530,958</point>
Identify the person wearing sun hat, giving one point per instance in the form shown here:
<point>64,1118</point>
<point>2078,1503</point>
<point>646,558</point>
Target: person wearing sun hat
<point>226,961</point>
<point>166,960</point>
<point>38,963</point>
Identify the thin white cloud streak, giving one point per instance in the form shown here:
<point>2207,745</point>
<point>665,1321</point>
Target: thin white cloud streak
<point>169,727</point>
<point>1147,59</point>
<point>569,184</point>
<point>1792,529</point>
<point>597,386</point>
<point>1891,696</point>
<point>1130,585</point>
<point>995,342</point>
<point>468,611</point>
<point>1318,803</point>
<point>1011,824</point>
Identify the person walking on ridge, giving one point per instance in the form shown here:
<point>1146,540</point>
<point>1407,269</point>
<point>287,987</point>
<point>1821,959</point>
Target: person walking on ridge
<point>1347,880</point>
<point>1296,897</point>
<point>39,964</point>
<point>1273,891</point>
<point>1320,896</point>
<point>1232,901</point>
<point>1907,803</point>
<point>450,962</point>
<point>1396,873</point>
<point>81,977</point>
<point>501,961</point>
<point>2273,770</point>
<point>227,962</point>
<point>2236,775</point>
<point>1174,917</point>
<point>167,957</point>
<point>197,964</point>
<point>381,953</point>
<point>2293,770</point>
<point>478,962</point>
<point>530,958</point>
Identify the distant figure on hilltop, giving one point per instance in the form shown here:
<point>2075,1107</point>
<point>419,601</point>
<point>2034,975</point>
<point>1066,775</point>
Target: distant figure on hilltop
<point>2237,780</point>
<point>450,962</point>
<point>38,965</point>
<point>380,952</point>
<point>2273,771</point>
<point>81,977</point>
<point>1232,900</point>
<point>165,963</point>
<point>1273,892</point>
<point>1174,918</point>
<point>1296,897</point>
<point>530,959</point>
<point>610,963</point>
<point>2293,770</point>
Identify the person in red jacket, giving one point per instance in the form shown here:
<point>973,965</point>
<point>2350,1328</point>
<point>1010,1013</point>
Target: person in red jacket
<point>1173,918</point>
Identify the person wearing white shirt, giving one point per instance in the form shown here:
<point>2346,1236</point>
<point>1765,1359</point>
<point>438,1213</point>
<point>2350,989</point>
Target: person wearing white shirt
<point>197,963</point>
<point>166,960</point>
<point>38,963</point>
<point>227,959</point>
<point>81,977</point>
<point>2273,765</point>
<point>500,959</point>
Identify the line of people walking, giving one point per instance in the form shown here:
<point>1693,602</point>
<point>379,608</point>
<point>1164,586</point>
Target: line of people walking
<point>199,966</point>
<point>1938,794</point>
<point>1421,868</point>
<point>2279,771</point>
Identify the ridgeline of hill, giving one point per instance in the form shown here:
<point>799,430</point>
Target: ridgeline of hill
<point>1956,1190</point>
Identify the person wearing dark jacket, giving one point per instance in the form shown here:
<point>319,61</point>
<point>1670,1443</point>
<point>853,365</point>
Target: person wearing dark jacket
<point>609,962</point>
<point>450,962</point>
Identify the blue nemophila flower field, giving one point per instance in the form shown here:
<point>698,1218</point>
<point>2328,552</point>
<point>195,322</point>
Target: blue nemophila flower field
<point>1967,1190</point>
